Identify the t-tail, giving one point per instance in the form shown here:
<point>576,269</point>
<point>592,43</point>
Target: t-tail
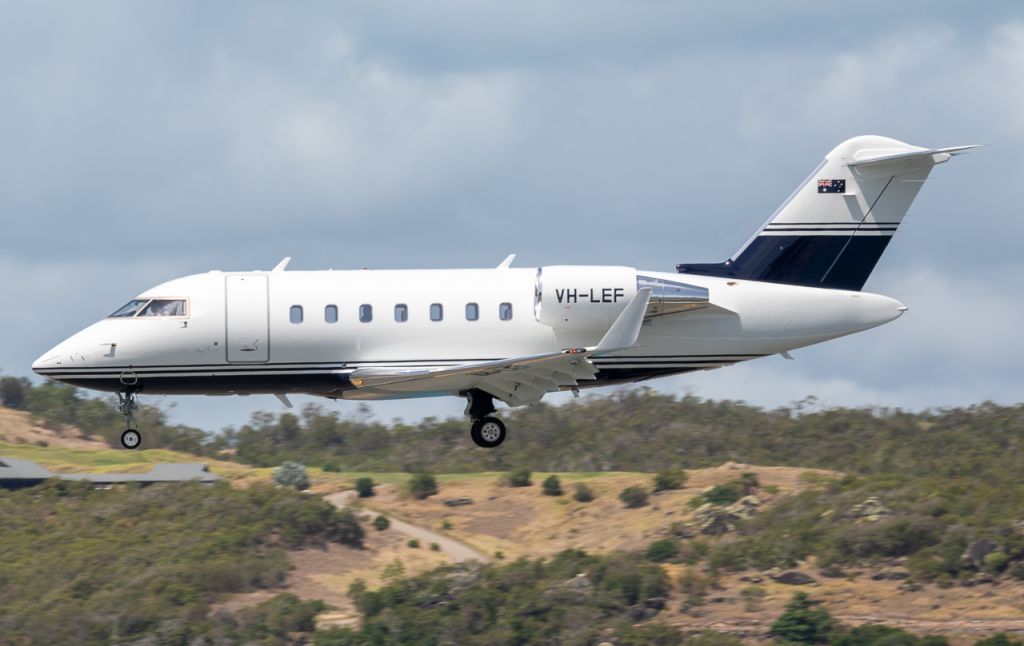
<point>834,227</point>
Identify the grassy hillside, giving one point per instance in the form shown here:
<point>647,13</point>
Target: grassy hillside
<point>79,565</point>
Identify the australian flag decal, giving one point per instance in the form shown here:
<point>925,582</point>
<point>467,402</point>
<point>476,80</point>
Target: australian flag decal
<point>831,185</point>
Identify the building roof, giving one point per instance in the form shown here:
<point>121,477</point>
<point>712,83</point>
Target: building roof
<point>24,470</point>
<point>11,469</point>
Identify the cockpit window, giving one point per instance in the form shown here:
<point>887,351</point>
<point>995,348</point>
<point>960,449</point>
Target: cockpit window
<point>131,308</point>
<point>151,307</point>
<point>161,307</point>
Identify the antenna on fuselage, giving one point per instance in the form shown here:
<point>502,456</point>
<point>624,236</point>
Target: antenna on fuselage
<point>281,265</point>
<point>507,262</point>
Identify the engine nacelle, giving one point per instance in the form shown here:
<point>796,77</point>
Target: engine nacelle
<point>582,298</point>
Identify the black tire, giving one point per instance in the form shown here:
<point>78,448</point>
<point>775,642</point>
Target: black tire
<point>131,439</point>
<point>488,432</point>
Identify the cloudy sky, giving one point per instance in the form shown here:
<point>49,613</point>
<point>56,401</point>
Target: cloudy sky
<point>144,141</point>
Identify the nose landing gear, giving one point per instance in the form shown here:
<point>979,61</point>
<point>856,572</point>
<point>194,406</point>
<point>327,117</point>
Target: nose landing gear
<point>487,431</point>
<point>127,403</point>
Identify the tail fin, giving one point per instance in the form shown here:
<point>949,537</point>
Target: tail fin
<point>833,229</point>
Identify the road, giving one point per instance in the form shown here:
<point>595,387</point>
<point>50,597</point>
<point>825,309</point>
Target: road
<point>455,550</point>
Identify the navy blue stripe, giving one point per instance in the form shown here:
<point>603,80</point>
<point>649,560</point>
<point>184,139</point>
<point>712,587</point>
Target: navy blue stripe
<point>836,262</point>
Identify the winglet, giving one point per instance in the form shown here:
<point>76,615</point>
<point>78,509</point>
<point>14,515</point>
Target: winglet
<point>281,265</point>
<point>284,400</point>
<point>507,262</point>
<point>626,329</point>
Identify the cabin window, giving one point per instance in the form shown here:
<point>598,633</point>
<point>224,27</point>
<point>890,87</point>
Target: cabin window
<point>331,313</point>
<point>472,311</point>
<point>295,314</point>
<point>436,312</point>
<point>505,311</point>
<point>401,312</point>
<point>365,313</point>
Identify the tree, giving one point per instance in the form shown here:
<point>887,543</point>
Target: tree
<point>633,497</point>
<point>364,487</point>
<point>381,523</point>
<point>518,478</point>
<point>669,479</point>
<point>803,622</point>
<point>583,493</point>
<point>292,474</point>
<point>422,485</point>
<point>13,392</point>
<point>552,487</point>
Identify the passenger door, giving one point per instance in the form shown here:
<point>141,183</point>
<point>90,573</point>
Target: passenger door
<point>248,327</point>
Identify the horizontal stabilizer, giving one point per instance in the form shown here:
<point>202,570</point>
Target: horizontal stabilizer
<point>938,155</point>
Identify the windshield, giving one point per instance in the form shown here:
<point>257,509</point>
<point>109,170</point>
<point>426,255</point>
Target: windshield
<point>140,308</point>
<point>131,308</point>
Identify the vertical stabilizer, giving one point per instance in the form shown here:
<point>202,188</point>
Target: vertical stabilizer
<point>834,227</point>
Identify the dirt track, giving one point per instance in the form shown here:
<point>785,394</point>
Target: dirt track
<point>455,550</point>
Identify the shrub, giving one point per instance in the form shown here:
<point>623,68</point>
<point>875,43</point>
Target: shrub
<point>995,561</point>
<point>999,639</point>
<point>748,483</point>
<point>518,478</point>
<point>724,494</point>
<point>669,479</point>
<point>752,596</point>
<point>346,529</point>
<point>434,547</point>
<point>446,524</point>
<point>633,497</point>
<point>803,622</point>
<point>381,523</point>
<point>552,486</point>
<point>714,638</point>
<point>662,550</point>
<point>695,586</point>
<point>413,543</point>
<point>583,493</point>
<point>332,467</point>
<point>422,485</point>
<point>1016,570</point>
<point>364,487</point>
<point>877,634</point>
<point>292,474</point>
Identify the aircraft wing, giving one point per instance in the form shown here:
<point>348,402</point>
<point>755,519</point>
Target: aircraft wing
<point>516,380</point>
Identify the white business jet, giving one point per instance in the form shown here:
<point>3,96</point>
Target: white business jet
<point>514,334</point>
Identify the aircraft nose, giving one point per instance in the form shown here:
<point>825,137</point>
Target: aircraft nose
<point>69,352</point>
<point>48,359</point>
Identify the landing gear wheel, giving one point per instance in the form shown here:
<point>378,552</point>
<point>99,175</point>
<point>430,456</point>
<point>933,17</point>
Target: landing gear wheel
<point>131,439</point>
<point>488,432</point>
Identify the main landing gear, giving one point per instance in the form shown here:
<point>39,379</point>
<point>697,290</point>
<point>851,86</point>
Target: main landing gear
<point>127,404</point>
<point>487,431</point>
